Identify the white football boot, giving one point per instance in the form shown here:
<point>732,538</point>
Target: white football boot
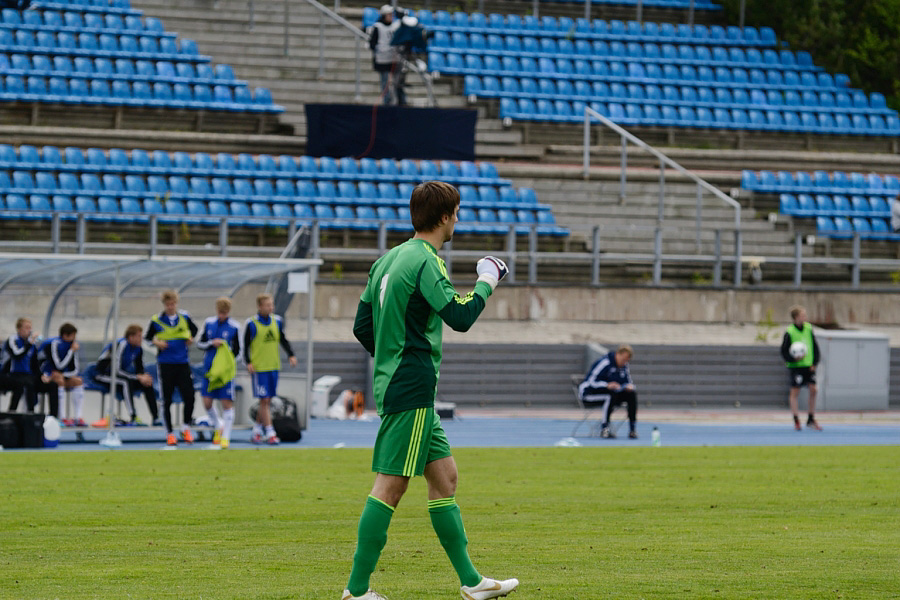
<point>489,588</point>
<point>370,595</point>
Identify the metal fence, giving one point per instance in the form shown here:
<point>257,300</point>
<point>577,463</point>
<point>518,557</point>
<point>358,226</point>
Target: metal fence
<point>521,248</point>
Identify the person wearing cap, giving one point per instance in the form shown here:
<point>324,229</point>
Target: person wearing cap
<point>385,57</point>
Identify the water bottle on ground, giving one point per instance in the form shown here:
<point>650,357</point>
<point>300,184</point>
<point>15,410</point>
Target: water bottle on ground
<point>654,437</point>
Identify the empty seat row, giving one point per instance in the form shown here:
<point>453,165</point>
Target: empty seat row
<point>106,45</point>
<point>819,182</point>
<point>826,205</point>
<point>634,51</point>
<point>786,121</point>
<point>631,72</point>
<point>81,90</point>
<point>221,188</point>
<point>581,28</point>
<point>119,68</point>
<point>265,166</point>
<point>88,22</point>
<point>845,228</point>
<point>257,213</point>
<point>86,6</point>
<point>689,95</point>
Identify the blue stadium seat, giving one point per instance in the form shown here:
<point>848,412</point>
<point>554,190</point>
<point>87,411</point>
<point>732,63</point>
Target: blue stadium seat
<point>368,191</point>
<point>806,206</point>
<point>387,192</point>
<point>287,165</point>
<point>859,206</point>
<point>880,229</point>
<point>787,204</point>
<point>824,206</point>
<point>842,227</point>
<point>861,226</point>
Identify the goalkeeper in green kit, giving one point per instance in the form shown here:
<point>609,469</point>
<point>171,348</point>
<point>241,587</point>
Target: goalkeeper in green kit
<point>399,321</point>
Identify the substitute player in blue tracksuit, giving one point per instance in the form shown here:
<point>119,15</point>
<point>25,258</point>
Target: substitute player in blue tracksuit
<point>608,383</point>
<point>130,375</point>
<point>217,331</point>
<point>56,360</point>
<point>15,365</point>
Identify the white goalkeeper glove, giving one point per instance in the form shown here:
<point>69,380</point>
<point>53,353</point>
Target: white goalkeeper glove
<point>491,270</point>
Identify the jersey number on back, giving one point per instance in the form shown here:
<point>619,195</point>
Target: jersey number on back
<point>384,282</point>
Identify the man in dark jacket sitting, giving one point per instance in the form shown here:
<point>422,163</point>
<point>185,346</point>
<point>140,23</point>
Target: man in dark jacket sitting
<point>608,383</point>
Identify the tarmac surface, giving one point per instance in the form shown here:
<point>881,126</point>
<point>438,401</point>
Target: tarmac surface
<point>546,428</point>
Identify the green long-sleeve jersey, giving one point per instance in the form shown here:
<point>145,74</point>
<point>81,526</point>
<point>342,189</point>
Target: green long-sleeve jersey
<point>399,322</point>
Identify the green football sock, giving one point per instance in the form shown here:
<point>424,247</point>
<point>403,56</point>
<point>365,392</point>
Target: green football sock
<point>371,538</point>
<point>447,523</point>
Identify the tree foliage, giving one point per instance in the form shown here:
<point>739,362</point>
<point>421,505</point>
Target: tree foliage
<point>858,37</point>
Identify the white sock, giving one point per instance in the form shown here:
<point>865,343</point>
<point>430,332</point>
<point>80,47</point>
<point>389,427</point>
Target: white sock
<point>61,393</point>
<point>214,419</point>
<point>257,429</point>
<point>270,431</point>
<point>228,422</point>
<point>78,400</point>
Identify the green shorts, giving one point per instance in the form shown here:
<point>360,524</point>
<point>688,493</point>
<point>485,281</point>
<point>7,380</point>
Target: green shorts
<point>409,440</point>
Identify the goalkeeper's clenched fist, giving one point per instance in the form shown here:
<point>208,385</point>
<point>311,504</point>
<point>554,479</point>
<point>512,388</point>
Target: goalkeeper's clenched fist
<point>491,270</point>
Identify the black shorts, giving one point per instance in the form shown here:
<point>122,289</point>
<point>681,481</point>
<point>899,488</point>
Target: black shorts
<point>801,376</point>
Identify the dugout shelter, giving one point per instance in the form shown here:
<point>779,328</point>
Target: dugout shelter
<point>120,277</point>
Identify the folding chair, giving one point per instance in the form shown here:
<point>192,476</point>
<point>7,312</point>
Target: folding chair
<point>588,407</point>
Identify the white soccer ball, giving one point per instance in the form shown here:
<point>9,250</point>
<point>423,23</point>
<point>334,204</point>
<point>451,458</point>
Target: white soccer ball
<point>797,350</point>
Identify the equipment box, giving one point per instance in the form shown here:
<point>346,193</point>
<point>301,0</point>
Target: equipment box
<point>854,371</point>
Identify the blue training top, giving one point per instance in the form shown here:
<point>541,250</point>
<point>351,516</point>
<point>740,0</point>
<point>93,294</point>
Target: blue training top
<point>228,330</point>
<point>177,350</point>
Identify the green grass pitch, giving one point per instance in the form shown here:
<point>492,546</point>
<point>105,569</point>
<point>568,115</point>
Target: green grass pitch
<point>570,523</point>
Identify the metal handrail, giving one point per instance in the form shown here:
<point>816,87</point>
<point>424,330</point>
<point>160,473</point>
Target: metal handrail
<point>664,161</point>
<point>529,256</point>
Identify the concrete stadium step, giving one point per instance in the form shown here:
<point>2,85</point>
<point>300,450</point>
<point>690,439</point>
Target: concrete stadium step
<point>149,139</point>
<point>736,160</point>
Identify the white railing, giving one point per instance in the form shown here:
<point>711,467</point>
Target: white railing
<point>520,249</point>
<point>591,115</point>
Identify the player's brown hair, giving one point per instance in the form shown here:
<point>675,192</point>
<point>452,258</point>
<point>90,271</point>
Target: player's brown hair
<point>262,298</point>
<point>223,304</point>
<point>430,202</point>
<point>795,310</point>
<point>133,329</point>
<point>169,295</point>
<point>20,322</point>
<point>67,329</point>
<point>625,349</point>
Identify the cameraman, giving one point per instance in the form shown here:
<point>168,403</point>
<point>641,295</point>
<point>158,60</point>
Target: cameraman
<point>410,40</point>
<point>385,58</point>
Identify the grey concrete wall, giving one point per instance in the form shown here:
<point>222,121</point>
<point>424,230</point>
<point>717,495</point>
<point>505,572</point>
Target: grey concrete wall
<point>509,304</point>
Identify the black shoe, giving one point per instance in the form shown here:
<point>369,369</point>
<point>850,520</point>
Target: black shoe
<point>607,433</point>
<point>632,435</point>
